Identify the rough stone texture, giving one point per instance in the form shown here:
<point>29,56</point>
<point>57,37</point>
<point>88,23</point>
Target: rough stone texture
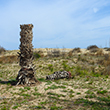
<point>27,71</point>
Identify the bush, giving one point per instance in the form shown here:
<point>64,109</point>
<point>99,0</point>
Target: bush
<point>108,49</point>
<point>106,60</point>
<point>106,63</point>
<point>56,53</point>
<point>70,53</point>
<point>76,50</point>
<point>99,52</point>
<point>2,49</point>
<point>92,47</point>
<point>106,57</point>
<point>9,59</point>
<point>36,55</point>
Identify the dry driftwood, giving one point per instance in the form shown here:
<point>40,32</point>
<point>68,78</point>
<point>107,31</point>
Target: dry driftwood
<point>27,71</point>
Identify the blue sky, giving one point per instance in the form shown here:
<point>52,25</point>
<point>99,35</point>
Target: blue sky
<point>57,23</point>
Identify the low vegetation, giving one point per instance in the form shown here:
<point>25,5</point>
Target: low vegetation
<point>88,89</point>
<point>2,50</point>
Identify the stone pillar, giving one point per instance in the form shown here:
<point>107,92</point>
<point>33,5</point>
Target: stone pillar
<point>27,71</point>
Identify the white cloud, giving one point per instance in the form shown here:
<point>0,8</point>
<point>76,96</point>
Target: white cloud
<point>95,10</point>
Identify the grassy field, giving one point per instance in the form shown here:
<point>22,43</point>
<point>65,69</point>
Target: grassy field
<point>89,89</point>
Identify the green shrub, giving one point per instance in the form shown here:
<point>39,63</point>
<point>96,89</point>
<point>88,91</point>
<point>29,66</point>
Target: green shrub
<point>50,67</point>
<point>55,108</point>
<point>101,92</point>
<point>36,55</point>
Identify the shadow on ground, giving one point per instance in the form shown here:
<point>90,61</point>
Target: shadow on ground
<point>12,82</point>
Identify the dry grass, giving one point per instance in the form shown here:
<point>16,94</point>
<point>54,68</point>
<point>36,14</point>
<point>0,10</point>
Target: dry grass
<point>9,59</point>
<point>2,50</point>
<point>89,89</point>
<point>100,52</point>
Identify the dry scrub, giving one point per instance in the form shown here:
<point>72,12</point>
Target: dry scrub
<point>89,89</point>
